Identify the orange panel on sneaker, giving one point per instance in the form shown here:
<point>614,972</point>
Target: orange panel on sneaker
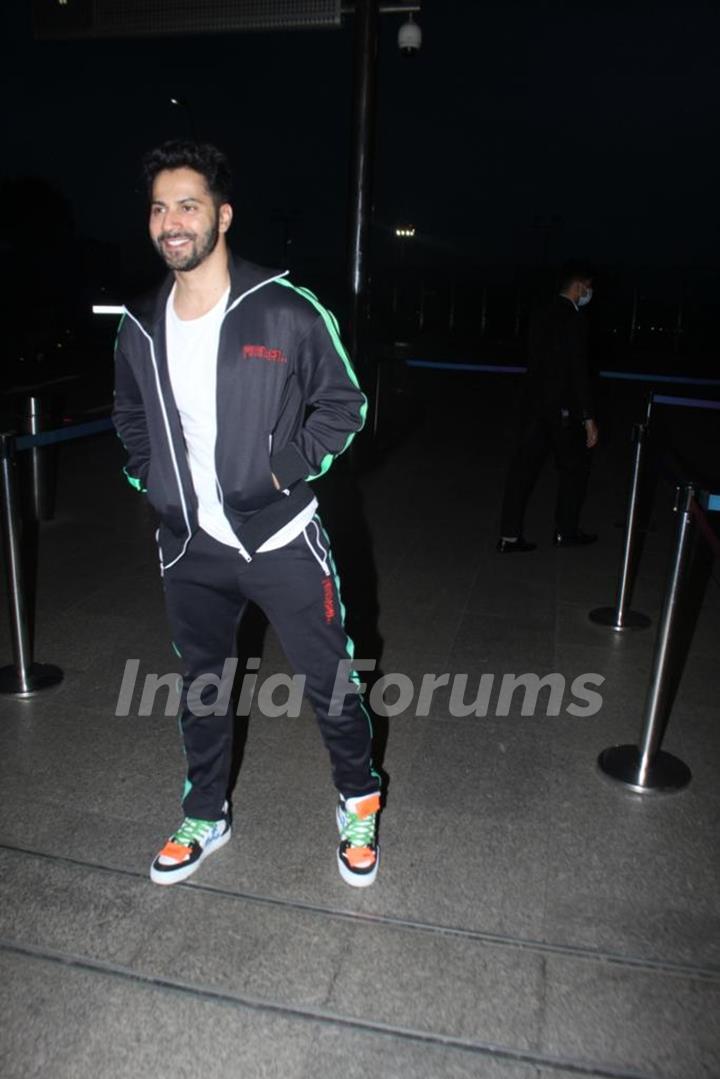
<point>365,807</point>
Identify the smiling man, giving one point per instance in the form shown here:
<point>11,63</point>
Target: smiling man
<point>232,391</point>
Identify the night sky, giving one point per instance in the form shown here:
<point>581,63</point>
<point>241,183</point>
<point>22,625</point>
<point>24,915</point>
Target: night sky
<point>603,116</point>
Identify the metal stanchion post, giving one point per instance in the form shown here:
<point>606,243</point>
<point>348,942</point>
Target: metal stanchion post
<point>39,480</point>
<point>24,678</point>
<point>649,400</point>
<point>646,768</point>
<point>620,617</point>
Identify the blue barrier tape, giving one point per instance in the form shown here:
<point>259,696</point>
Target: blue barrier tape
<point>630,376</point>
<point>689,402</point>
<point>492,368</point>
<point>64,434</point>
<point>633,376</point>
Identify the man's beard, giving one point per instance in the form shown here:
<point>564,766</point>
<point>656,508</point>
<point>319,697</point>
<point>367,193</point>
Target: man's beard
<point>188,258</point>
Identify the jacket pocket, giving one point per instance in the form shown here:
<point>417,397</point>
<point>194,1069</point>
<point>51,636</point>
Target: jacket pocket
<point>160,552</point>
<point>253,488</point>
<point>151,487</point>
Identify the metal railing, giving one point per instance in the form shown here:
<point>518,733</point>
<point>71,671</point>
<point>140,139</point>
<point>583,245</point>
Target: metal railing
<point>24,677</point>
<point>620,617</point>
<point>646,767</point>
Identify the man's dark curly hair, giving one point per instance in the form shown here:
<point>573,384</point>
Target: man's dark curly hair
<point>210,162</point>
<point>574,271</point>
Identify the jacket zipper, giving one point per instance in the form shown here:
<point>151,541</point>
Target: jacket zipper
<point>241,550</point>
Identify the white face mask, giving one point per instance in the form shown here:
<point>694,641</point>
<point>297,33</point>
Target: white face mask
<point>586,298</point>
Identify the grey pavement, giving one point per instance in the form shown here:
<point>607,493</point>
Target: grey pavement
<point>530,918</point>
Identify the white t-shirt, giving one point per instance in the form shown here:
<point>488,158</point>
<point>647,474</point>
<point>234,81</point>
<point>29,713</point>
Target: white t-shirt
<point>192,348</point>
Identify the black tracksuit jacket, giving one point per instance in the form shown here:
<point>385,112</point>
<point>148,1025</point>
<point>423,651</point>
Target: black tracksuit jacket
<point>288,403</point>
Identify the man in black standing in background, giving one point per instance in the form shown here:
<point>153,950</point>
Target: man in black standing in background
<point>557,413</point>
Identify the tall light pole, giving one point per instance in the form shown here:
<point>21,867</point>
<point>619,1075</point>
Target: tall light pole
<point>360,210</point>
<point>367,13</point>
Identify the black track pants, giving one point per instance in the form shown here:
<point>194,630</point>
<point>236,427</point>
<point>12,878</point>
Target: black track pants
<point>206,594</point>
<point>572,458</point>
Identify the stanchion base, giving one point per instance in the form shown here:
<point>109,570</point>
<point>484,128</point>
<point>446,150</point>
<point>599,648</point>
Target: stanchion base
<point>666,775</point>
<point>40,676</point>
<point>607,616</point>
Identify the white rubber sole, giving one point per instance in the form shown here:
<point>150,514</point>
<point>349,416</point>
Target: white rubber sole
<point>174,876</point>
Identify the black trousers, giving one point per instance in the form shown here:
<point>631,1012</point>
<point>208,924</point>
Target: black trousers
<point>296,586</point>
<point>538,435</point>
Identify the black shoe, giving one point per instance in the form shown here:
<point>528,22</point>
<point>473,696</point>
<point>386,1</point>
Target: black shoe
<point>508,546</point>
<point>573,539</point>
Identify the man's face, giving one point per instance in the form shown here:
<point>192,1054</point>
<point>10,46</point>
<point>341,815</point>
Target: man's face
<point>584,289</point>
<point>184,221</point>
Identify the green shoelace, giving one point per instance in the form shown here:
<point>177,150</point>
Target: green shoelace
<point>192,831</point>
<point>359,831</point>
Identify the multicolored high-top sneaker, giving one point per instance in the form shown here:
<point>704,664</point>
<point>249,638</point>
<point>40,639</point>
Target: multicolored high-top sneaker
<point>358,852</point>
<point>185,851</point>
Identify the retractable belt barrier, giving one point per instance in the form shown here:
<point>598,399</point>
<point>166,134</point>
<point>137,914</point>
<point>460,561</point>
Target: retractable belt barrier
<point>511,369</point>
<point>646,768</point>
<point>63,434</point>
<point>685,402</point>
<point>24,677</point>
<point>620,617</point>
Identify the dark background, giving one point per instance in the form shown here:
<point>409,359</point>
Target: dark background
<point>522,134</point>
